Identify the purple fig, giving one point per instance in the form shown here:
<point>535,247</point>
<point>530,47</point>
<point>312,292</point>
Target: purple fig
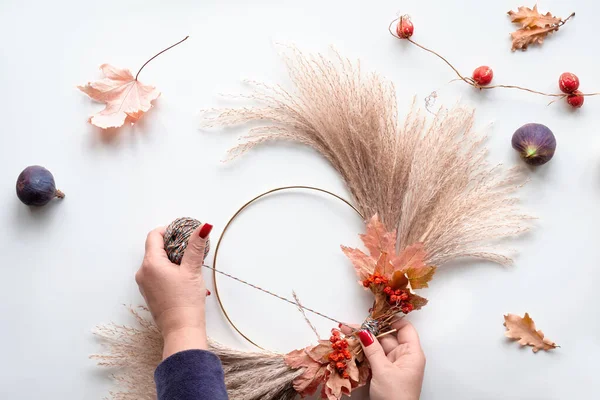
<point>35,186</point>
<point>535,143</point>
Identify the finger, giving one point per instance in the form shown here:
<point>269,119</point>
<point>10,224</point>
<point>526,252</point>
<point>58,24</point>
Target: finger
<point>373,351</point>
<point>406,333</point>
<point>349,329</point>
<point>193,256</point>
<point>389,343</point>
<point>155,241</point>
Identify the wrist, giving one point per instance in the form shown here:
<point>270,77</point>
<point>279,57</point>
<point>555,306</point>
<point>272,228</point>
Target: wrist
<point>185,338</point>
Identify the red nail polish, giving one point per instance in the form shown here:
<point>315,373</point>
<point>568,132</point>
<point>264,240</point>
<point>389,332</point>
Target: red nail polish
<point>208,292</point>
<point>205,230</point>
<point>366,338</point>
<point>340,325</point>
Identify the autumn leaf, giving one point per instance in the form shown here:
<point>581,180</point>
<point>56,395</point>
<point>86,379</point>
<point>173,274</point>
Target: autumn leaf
<point>535,27</point>
<point>377,239</point>
<point>411,261</point>
<point>523,330</point>
<point>419,276</point>
<point>314,372</point>
<point>320,352</point>
<point>364,265</point>
<point>336,385</point>
<point>126,98</point>
<point>531,18</point>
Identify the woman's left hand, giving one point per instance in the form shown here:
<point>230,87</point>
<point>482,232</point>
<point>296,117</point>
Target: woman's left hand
<point>176,294</point>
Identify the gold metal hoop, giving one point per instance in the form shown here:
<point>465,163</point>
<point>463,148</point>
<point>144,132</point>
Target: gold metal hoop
<point>237,213</point>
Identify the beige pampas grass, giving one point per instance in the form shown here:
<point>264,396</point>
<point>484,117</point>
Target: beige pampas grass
<point>428,179</point>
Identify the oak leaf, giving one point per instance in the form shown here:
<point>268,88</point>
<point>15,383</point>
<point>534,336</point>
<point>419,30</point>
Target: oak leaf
<point>534,26</point>
<point>531,18</point>
<point>523,329</point>
<point>336,385</point>
<point>126,98</point>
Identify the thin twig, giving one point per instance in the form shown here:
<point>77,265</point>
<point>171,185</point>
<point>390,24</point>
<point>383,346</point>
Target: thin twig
<point>158,54</point>
<point>471,81</point>
<point>301,309</point>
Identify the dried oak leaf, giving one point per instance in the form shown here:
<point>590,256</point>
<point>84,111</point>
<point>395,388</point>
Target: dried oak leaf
<point>314,372</point>
<point>126,98</point>
<point>336,385</point>
<point>523,330</point>
<point>531,18</point>
<point>534,26</point>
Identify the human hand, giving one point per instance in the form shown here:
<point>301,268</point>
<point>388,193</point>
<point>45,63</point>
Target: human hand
<point>176,294</point>
<point>397,363</point>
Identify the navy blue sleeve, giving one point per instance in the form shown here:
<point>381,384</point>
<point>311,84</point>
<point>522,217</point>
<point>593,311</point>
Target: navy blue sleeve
<point>191,375</point>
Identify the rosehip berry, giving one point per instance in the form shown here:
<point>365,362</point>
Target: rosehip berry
<point>345,375</point>
<point>405,28</point>
<point>575,99</point>
<point>340,365</point>
<point>483,75</point>
<point>568,82</point>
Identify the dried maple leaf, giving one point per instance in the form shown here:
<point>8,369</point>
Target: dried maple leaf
<point>363,263</point>
<point>523,330</point>
<point>534,26</point>
<point>411,261</point>
<point>377,239</point>
<point>314,372</point>
<point>125,97</point>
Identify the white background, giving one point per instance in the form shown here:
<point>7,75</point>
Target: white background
<point>69,266</point>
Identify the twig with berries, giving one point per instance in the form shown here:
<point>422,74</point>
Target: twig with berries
<point>482,76</point>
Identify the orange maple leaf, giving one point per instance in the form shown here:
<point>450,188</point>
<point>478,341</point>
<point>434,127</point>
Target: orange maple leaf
<point>408,266</point>
<point>126,98</point>
<point>523,330</point>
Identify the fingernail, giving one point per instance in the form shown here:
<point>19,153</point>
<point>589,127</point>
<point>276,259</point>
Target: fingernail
<point>205,230</point>
<point>340,325</point>
<point>208,292</point>
<point>366,338</point>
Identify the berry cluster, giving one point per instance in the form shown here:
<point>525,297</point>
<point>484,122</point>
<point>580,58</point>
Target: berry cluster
<point>483,75</point>
<point>398,298</point>
<point>569,83</point>
<point>375,279</point>
<point>339,357</point>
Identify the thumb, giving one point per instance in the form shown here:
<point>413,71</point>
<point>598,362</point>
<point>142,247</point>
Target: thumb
<point>373,350</point>
<point>193,257</point>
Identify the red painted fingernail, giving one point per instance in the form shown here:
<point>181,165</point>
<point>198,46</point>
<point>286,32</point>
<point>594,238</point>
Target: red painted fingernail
<point>366,338</point>
<point>340,325</point>
<point>208,292</point>
<point>205,230</point>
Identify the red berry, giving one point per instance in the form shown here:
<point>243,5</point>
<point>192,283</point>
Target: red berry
<point>575,99</point>
<point>340,365</point>
<point>568,82</point>
<point>405,28</point>
<point>393,298</point>
<point>483,75</point>
<point>345,375</point>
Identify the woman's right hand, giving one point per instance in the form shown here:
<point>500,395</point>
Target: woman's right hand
<point>397,363</point>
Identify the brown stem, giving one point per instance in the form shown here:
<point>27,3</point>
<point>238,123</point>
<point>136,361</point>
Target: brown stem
<point>59,194</point>
<point>564,21</point>
<point>471,82</point>
<point>158,54</point>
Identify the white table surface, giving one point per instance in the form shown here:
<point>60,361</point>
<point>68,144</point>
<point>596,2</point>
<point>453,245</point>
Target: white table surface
<point>70,266</point>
